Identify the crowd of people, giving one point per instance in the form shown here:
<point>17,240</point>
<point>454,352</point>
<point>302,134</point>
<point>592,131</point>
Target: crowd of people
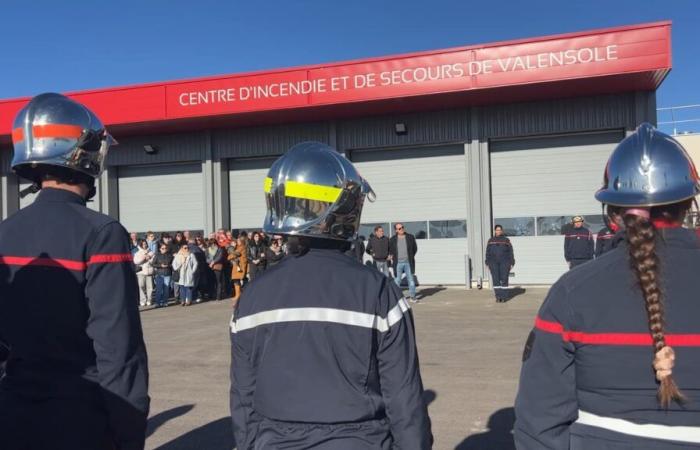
<point>190,269</point>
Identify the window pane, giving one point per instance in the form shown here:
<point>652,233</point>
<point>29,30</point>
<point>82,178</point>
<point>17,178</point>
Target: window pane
<point>551,225</point>
<point>594,222</point>
<point>418,229</point>
<point>446,229</point>
<point>367,229</point>
<point>517,226</point>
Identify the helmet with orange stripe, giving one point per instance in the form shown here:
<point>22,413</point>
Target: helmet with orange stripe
<point>314,191</point>
<point>54,135</point>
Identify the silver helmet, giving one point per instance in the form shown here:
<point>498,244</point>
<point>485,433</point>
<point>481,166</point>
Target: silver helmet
<point>53,130</point>
<point>648,168</point>
<point>314,191</point>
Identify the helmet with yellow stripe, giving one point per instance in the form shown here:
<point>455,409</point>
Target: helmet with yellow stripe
<point>54,133</point>
<point>314,191</point>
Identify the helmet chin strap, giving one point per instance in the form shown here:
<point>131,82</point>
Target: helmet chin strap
<point>32,189</point>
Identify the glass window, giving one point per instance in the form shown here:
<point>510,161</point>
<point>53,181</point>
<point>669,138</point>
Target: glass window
<point>418,229</point>
<point>367,229</point>
<point>551,225</point>
<point>517,226</point>
<point>446,229</point>
<point>594,222</point>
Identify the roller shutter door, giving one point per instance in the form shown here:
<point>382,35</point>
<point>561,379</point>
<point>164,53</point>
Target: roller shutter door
<point>425,188</point>
<point>246,196</point>
<point>161,198</point>
<point>537,185</point>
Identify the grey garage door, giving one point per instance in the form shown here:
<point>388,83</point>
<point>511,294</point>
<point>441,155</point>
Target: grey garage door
<point>536,186</point>
<point>424,188</point>
<point>246,196</point>
<point>161,198</point>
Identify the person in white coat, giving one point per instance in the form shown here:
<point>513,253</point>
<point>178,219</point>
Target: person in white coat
<point>144,273</point>
<point>185,264</point>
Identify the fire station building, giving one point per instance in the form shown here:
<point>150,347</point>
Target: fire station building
<point>452,141</point>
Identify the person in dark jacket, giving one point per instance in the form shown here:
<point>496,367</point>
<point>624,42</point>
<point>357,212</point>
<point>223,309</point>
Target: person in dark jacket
<point>500,259</point>
<point>256,256</point>
<point>607,239</point>
<point>216,257</point>
<point>586,380</point>
<point>578,243</point>
<point>76,371</point>
<point>402,253</point>
<point>274,253</point>
<point>378,248</point>
<point>200,288</point>
<point>162,266</point>
<point>357,249</point>
<point>323,349</point>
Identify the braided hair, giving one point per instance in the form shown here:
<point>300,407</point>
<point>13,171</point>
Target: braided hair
<point>642,239</point>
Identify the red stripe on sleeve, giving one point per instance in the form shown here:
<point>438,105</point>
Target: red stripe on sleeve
<point>24,261</point>
<point>110,258</point>
<point>549,327</point>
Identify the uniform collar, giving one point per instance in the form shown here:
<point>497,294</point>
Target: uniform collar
<point>59,195</point>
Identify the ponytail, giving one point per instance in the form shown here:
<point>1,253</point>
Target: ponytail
<point>641,235</point>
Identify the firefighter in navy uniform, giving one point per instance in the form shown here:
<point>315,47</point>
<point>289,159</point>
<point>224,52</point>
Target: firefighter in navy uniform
<point>76,370</point>
<point>323,349</point>
<point>499,259</point>
<point>578,243</point>
<point>587,380</point>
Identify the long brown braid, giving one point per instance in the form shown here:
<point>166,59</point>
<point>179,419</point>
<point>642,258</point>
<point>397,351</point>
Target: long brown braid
<point>642,235</point>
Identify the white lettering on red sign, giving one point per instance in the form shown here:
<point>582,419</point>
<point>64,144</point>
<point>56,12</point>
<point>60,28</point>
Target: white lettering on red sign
<point>407,75</point>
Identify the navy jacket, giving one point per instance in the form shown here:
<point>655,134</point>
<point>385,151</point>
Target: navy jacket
<point>499,250</point>
<point>605,241</point>
<point>68,312</point>
<point>591,351</point>
<point>324,348</point>
<point>578,244</point>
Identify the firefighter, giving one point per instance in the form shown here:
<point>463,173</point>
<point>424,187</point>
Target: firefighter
<point>499,259</point>
<point>323,349</point>
<point>587,379</point>
<point>76,371</point>
<point>608,237</point>
<point>578,243</point>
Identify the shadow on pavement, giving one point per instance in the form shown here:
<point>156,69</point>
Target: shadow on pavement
<point>429,396</point>
<point>514,292</point>
<point>427,292</point>
<point>159,419</point>
<point>216,435</point>
<point>499,435</point>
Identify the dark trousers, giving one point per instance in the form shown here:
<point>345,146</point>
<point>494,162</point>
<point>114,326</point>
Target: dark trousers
<point>218,284</point>
<point>577,262</point>
<point>52,423</point>
<point>499,279</point>
<point>255,270</point>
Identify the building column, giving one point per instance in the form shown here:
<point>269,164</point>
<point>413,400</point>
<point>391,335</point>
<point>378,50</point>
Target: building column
<point>210,193</point>
<point>478,200</point>
<point>109,192</point>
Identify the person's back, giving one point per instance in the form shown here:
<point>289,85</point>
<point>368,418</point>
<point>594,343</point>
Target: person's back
<point>324,354</point>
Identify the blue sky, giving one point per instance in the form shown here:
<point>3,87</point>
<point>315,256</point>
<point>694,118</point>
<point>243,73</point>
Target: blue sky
<point>81,44</point>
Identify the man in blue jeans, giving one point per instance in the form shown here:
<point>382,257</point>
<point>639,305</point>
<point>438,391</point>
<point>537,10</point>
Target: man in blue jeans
<point>402,252</point>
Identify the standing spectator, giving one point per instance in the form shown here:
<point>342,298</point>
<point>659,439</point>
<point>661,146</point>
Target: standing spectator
<point>215,261</point>
<point>178,241</point>
<point>152,243</point>
<point>185,264</point>
<point>222,239</point>
<point>274,253</point>
<point>186,236</point>
<point>357,249</point>
<point>378,248</point>
<point>607,239</point>
<point>499,259</point>
<point>200,275</point>
<point>256,256</point>
<point>134,244</point>
<point>168,241</point>
<point>242,246</point>
<point>578,243</point>
<point>162,266</point>
<point>238,257</point>
<point>142,259</point>
<point>402,251</point>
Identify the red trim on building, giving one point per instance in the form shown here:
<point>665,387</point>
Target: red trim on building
<point>631,339</point>
<point>621,59</point>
